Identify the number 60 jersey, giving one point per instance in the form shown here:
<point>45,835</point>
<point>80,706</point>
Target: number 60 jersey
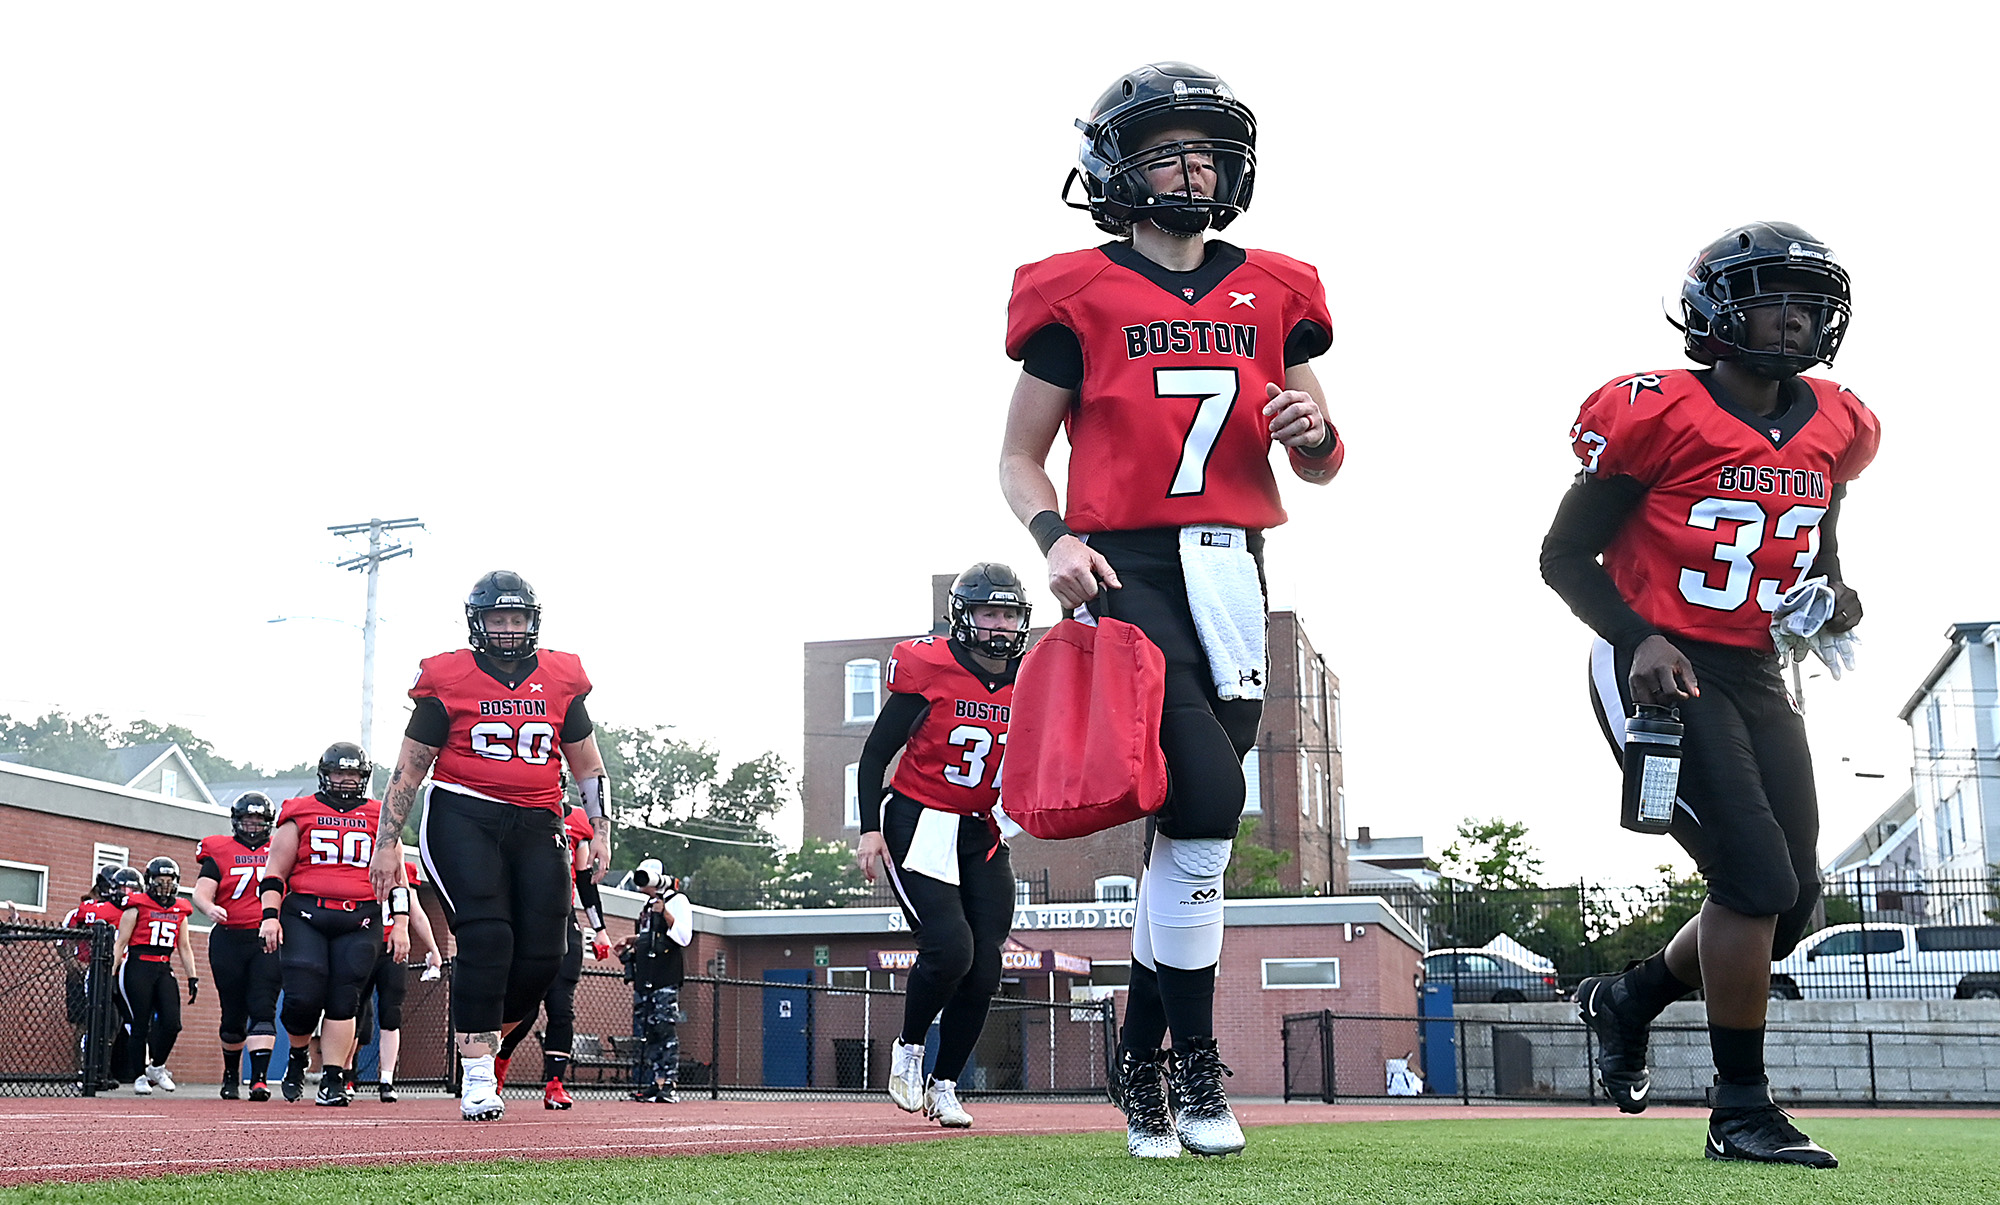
<point>504,736</point>
<point>1730,518</point>
<point>952,760</point>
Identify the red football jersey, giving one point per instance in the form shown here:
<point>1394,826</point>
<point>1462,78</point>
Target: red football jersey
<point>334,848</point>
<point>952,760</point>
<point>1730,518</point>
<point>504,744</point>
<point>242,869</point>
<point>1168,428</point>
<point>576,826</point>
<point>159,927</point>
<point>92,912</point>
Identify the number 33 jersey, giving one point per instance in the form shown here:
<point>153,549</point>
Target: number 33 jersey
<point>505,741</point>
<point>952,759</point>
<point>1168,427</point>
<point>1730,518</point>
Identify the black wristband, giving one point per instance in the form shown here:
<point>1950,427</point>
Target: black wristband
<point>1048,527</point>
<point>271,882</point>
<point>270,914</point>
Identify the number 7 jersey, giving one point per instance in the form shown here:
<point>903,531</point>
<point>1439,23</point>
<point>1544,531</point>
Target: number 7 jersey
<point>952,759</point>
<point>1730,518</point>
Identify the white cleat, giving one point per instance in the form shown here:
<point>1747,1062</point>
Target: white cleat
<point>142,1086</point>
<point>160,1078</point>
<point>1142,1093</point>
<point>906,1076</point>
<point>482,1102</point>
<point>941,1104</point>
<point>1202,1116</point>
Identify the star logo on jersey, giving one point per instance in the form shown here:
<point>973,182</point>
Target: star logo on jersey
<point>1236,299</point>
<point>1644,383</point>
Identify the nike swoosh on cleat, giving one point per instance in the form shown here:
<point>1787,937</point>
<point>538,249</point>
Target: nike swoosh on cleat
<point>1639,1093</point>
<point>1590,1005</point>
<point>1715,1146</point>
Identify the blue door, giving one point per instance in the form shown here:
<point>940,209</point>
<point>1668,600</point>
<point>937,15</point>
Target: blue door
<point>1440,1040</point>
<point>787,1030</point>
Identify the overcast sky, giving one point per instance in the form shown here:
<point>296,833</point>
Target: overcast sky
<point>693,314</point>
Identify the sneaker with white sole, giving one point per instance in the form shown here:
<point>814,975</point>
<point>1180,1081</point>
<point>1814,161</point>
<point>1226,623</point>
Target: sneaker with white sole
<point>160,1078</point>
<point>1142,1094</point>
<point>1745,1125</point>
<point>1202,1116</point>
<point>906,1076</point>
<point>941,1104</point>
<point>142,1086</point>
<point>481,1099</point>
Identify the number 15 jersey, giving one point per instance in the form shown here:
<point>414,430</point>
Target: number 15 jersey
<point>1730,518</point>
<point>952,760</point>
<point>1168,427</point>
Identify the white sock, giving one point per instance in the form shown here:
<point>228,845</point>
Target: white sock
<point>479,1070</point>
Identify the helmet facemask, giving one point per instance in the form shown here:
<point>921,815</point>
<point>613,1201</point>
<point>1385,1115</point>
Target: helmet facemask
<point>1768,297</point>
<point>1003,645</point>
<point>1122,137</point>
<point>250,818</point>
<point>163,880</point>
<point>345,758</point>
<point>504,646</point>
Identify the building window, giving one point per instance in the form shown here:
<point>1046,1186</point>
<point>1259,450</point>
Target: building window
<point>1253,783</point>
<point>1340,814</point>
<point>1934,716</point>
<point>170,783</point>
<point>1305,776</point>
<point>1301,972</point>
<point>1117,889</point>
<point>27,886</point>
<point>102,855</point>
<point>1024,893</point>
<point>1339,729</point>
<point>853,795</point>
<point>852,978</point>
<point>864,689</point>
<point>1112,976</point>
<point>1318,691</point>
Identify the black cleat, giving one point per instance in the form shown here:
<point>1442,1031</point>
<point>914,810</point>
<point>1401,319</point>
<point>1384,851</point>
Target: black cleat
<point>333,1089</point>
<point>1746,1126</point>
<point>1202,1116</point>
<point>1141,1091</point>
<point>387,1092</point>
<point>1603,1004</point>
<point>294,1084</point>
<point>259,1090</point>
<point>231,1090</point>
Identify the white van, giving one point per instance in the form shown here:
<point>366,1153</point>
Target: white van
<point>1892,962</point>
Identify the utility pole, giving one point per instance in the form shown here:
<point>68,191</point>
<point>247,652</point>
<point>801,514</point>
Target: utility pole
<point>371,561</point>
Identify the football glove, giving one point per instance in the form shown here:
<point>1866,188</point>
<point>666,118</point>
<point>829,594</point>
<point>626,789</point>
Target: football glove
<point>194,986</point>
<point>1799,620</point>
<point>1835,649</point>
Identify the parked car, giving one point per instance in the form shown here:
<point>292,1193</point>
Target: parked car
<point>1485,977</point>
<point>1892,962</point>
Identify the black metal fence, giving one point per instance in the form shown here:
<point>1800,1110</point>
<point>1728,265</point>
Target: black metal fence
<point>1331,1057</point>
<point>55,994</point>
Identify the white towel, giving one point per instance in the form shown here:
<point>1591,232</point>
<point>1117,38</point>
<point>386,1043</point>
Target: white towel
<point>934,847</point>
<point>1228,606</point>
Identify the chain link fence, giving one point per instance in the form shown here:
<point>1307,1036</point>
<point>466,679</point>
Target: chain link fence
<point>55,993</point>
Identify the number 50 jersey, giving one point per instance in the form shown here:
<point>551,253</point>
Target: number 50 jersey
<point>505,740</point>
<point>952,759</point>
<point>1730,518</point>
<point>334,847</point>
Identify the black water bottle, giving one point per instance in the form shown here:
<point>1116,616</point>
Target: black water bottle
<point>1652,768</point>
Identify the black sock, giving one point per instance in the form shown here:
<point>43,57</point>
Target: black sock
<point>1188,999</point>
<point>555,1066</point>
<point>1145,1019</point>
<point>1739,1054</point>
<point>231,1061</point>
<point>297,1060</point>
<point>260,1063</point>
<point>1650,986</point>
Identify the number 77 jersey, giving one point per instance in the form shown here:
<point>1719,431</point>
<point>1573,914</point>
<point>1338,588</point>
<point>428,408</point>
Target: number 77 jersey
<point>952,759</point>
<point>1730,518</point>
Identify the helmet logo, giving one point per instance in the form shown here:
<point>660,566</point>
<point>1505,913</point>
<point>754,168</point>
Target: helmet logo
<point>1180,89</point>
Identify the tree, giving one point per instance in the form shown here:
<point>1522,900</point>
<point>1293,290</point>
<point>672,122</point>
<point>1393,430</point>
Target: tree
<point>670,802</point>
<point>212,766</point>
<point>818,874</point>
<point>1254,868</point>
<point>1493,854</point>
<point>57,742</point>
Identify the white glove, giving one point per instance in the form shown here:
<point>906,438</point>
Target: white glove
<point>1796,624</point>
<point>430,973</point>
<point>1835,649</point>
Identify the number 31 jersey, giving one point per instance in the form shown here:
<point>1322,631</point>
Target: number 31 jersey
<point>1730,518</point>
<point>504,742</point>
<point>952,759</point>
<point>1168,427</point>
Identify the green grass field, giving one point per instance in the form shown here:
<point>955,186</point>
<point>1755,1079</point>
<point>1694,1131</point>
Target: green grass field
<point>1890,1161</point>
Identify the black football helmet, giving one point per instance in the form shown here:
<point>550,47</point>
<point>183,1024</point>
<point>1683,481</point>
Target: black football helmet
<point>989,583</point>
<point>163,880</point>
<point>1115,152</point>
<point>124,881</point>
<point>106,885</point>
<point>251,818</point>
<point>502,590</point>
<point>1764,264</point>
<point>344,755</point>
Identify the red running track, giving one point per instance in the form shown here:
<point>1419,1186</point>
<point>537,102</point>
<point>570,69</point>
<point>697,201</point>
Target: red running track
<point>193,1131</point>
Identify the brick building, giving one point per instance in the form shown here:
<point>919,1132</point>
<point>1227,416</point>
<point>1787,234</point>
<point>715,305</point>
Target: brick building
<point>1293,776</point>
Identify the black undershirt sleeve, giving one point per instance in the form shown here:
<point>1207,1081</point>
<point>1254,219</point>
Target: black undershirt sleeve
<point>1308,340</point>
<point>429,725</point>
<point>1586,521</point>
<point>209,870</point>
<point>1054,355</point>
<point>586,894</point>
<point>576,721</point>
<point>1827,563</point>
<point>900,717</point>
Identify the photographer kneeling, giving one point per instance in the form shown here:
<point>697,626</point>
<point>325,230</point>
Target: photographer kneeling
<point>654,966</point>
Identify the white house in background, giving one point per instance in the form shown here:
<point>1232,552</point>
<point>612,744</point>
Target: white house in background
<point>1955,781</point>
<point>1387,863</point>
<point>1882,870</point>
<point>162,769</point>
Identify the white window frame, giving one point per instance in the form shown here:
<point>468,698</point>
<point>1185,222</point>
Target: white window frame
<point>1266,964</point>
<point>1253,782</point>
<point>1305,773</point>
<point>1130,884</point>
<point>853,795</point>
<point>1339,817</point>
<point>1024,893</point>
<point>41,904</point>
<point>848,692</point>
<point>170,782</point>
<point>1339,729</point>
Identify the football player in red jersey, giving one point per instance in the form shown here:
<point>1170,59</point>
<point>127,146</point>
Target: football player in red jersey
<point>1712,494</point>
<point>245,973</point>
<point>104,907</point>
<point>390,985</point>
<point>1173,363</point>
<point>152,935</point>
<point>488,726</point>
<point>933,830</point>
<point>320,911</point>
<point>560,999</point>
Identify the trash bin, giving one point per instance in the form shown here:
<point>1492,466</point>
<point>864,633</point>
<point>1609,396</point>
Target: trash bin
<point>851,1059</point>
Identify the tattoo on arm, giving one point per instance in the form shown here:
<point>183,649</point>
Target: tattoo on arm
<point>411,768</point>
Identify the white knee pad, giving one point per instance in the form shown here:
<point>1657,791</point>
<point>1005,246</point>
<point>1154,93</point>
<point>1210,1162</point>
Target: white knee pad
<point>1142,931</point>
<point>1183,901</point>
